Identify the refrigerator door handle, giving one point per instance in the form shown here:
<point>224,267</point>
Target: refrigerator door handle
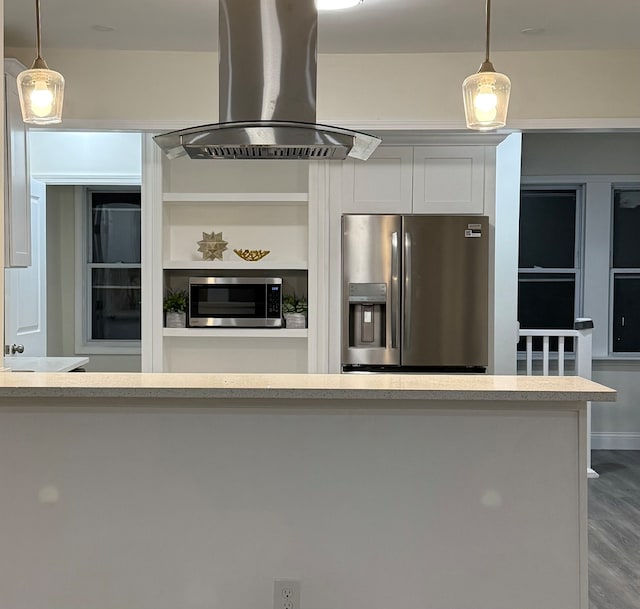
<point>406,337</point>
<point>395,290</point>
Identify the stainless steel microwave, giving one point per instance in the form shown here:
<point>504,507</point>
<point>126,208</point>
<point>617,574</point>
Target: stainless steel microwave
<point>236,302</point>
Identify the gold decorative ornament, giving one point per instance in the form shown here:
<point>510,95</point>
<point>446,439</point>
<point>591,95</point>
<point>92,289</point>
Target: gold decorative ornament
<point>212,245</point>
<point>252,255</point>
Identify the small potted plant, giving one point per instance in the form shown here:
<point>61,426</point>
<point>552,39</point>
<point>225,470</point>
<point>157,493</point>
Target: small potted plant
<point>175,307</point>
<point>294,311</point>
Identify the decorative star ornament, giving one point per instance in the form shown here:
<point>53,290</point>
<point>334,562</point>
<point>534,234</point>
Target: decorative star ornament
<point>212,245</point>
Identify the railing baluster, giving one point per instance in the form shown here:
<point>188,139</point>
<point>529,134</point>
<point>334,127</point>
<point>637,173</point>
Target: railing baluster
<point>582,337</point>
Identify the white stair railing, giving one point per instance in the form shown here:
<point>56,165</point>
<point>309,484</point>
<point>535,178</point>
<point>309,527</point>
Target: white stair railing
<point>582,336</point>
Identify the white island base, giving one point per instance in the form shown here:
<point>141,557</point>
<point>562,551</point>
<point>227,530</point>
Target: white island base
<point>198,491</point>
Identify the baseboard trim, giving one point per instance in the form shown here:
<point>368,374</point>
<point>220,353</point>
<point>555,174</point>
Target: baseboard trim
<point>620,440</point>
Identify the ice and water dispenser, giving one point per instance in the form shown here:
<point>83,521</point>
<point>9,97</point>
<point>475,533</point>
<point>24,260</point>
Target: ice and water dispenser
<point>367,315</point>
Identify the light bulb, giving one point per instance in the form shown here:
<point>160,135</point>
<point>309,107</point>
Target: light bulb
<point>485,103</point>
<point>41,99</point>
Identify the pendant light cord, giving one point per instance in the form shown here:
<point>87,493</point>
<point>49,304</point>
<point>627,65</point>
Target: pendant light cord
<point>487,66</point>
<point>488,21</point>
<point>39,63</point>
<point>38,35</point>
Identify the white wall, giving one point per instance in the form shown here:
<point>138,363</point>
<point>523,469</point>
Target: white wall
<point>153,87</point>
<point>59,155</point>
<point>60,259</point>
<point>596,160</point>
<point>584,154</point>
<point>77,158</point>
<point>506,214</point>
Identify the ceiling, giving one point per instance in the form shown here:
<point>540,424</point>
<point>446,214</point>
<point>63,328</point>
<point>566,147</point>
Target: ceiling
<point>377,26</point>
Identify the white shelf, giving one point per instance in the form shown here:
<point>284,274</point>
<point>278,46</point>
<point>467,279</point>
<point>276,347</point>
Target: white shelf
<point>282,198</point>
<point>234,332</point>
<point>213,265</point>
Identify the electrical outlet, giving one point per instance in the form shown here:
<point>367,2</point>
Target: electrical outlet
<point>286,594</point>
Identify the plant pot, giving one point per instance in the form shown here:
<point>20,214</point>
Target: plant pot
<point>176,319</point>
<point>295,321</point>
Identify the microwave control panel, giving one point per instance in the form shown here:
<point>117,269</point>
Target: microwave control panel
<point>274,301</point>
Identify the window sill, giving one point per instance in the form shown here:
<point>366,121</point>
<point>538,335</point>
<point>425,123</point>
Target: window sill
<point>109,348</point>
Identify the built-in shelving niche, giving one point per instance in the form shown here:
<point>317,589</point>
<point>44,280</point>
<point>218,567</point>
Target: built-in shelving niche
<point>255,205</point>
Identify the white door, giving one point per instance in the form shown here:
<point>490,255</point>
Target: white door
<point>16,208</point>
<point>25,295</point>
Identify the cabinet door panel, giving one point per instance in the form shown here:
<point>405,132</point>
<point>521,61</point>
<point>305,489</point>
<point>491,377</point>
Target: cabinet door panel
<point>380,185</point>
<point>17,197</point>
<point>448,180</point>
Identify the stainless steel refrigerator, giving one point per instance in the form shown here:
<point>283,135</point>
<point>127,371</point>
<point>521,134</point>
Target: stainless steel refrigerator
<point>415,293</point>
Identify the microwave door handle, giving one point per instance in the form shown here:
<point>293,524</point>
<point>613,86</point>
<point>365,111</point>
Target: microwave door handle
<point>395,289</point>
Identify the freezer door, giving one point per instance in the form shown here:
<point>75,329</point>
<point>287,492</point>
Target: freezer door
<point>371,305</point>
<point>445,283</point>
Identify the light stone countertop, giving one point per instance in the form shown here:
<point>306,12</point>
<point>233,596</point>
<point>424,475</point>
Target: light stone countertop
<point>19,363</point>
<point>304,386</point>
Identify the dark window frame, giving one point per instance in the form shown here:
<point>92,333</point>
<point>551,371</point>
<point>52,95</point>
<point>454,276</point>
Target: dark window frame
<point>89,344</point>
<point>619,272</point>
<point>527,273</point>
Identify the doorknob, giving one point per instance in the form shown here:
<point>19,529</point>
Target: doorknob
<point>13,349</point>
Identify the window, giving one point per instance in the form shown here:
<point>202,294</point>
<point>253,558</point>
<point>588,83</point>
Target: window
<point>548,259</point>
<point>625,271</point>
<point>112,269</point>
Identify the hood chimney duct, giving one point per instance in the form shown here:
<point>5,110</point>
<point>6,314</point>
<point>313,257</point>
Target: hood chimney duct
<point>267,91</point>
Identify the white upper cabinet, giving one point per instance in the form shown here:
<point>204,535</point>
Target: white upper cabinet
<point>380,185</point>
<point>434,179</point>
<point>17,197</point>
<point>448,179</point>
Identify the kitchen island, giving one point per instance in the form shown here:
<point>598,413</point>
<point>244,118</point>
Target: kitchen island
<point>158,491</point>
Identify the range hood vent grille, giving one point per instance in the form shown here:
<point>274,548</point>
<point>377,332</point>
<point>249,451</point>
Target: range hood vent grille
<point>268,152</point>
<point>267,91</point>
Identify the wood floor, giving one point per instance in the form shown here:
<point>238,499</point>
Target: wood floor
<point>614,530</point>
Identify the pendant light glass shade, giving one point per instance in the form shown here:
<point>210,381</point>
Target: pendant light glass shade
<point>486,93</point>
<point>41,95</point>
<point>41,90</point>
<point>486,100</point>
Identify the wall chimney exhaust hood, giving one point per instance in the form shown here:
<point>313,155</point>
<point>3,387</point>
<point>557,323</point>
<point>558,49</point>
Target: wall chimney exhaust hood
<point>267,91</point>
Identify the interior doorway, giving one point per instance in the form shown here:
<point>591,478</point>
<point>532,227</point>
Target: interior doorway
<point>42,313</point>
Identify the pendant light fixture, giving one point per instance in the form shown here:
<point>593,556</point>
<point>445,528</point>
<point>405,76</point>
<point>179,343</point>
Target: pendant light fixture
<point>41,90</point>
<point>486,93</point>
